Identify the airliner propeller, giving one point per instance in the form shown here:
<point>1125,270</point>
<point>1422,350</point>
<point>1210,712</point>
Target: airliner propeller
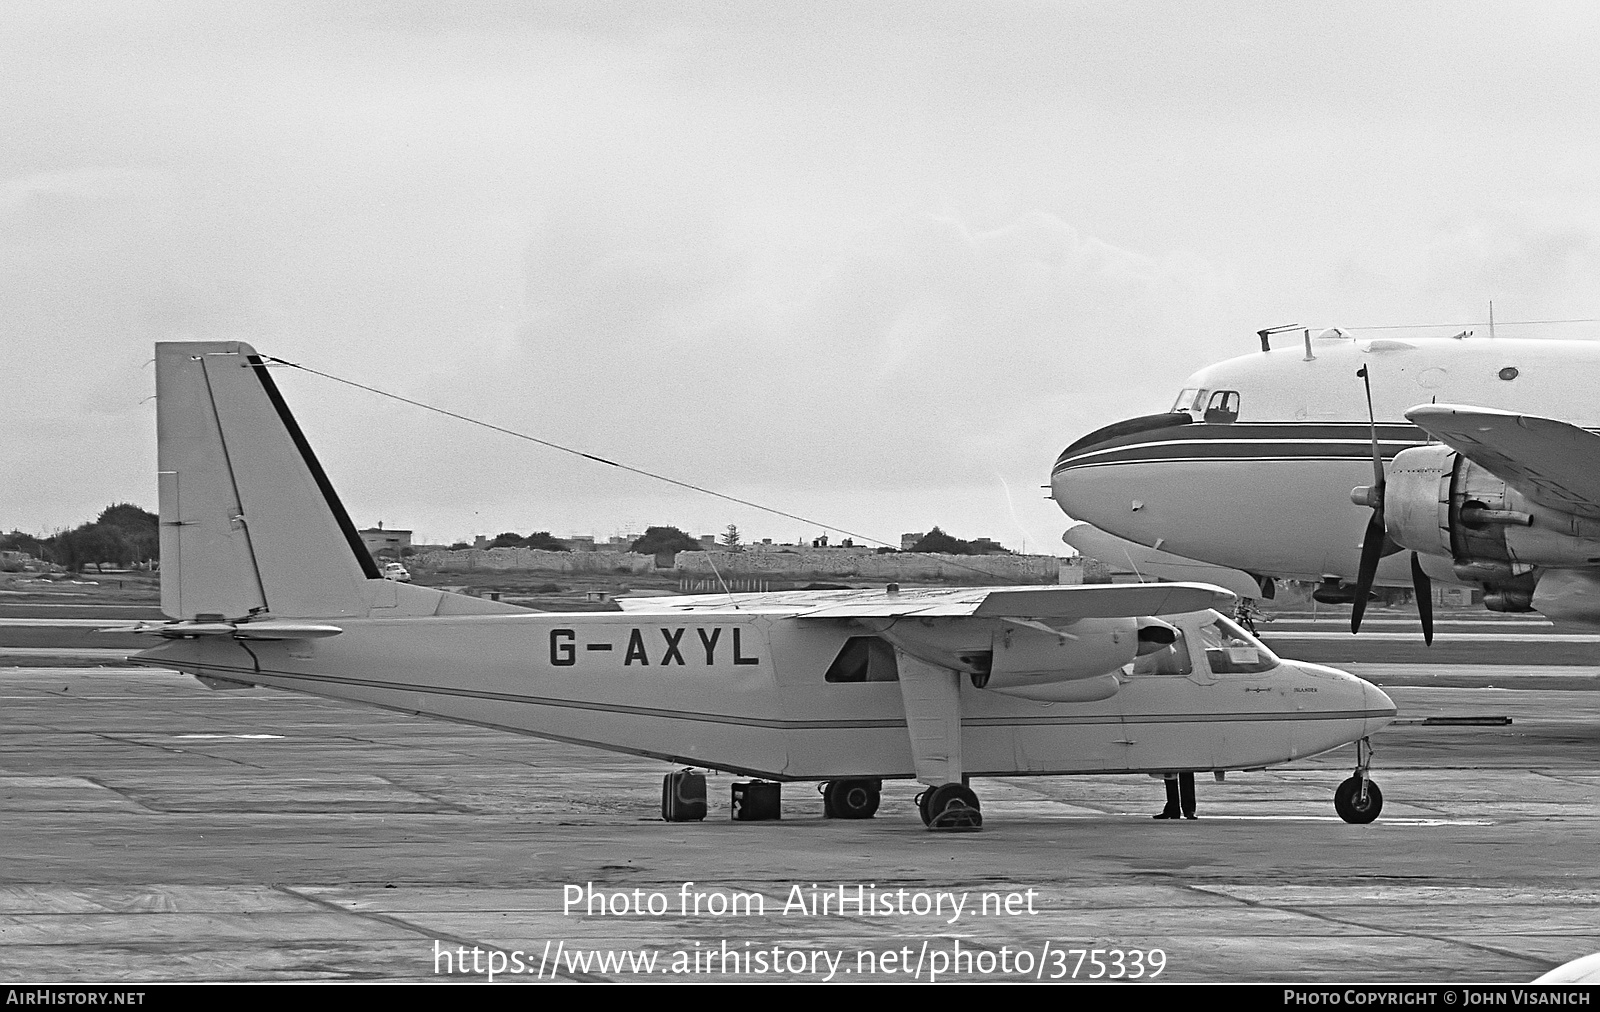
<point>1422,590</point>
<point>1376,543</point>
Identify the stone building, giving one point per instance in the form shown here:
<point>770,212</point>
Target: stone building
<point>387,544</point>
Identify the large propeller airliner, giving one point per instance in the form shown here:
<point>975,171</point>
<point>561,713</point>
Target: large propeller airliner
<point>1350,461</point>
<point>265,581</point>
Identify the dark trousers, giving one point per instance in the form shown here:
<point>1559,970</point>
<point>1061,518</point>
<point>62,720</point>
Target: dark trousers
<point>1180,794</point>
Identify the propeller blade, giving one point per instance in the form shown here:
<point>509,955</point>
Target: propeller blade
<point>1372,424</point>
<point>1375,542</point>
<point>1371,552</point>
<point>1423,588</point>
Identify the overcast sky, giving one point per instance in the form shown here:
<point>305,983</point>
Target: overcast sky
<point>874,264</point>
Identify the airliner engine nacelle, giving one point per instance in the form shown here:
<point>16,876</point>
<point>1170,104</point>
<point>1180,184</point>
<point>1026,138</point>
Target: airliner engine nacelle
<point>1440,503</point>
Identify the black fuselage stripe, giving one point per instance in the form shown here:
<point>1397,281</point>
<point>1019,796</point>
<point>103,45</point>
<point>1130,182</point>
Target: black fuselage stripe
<point>1246,441</point>
<point>1250,431</point>
<point>1232,449</point>
<point>780,723</point>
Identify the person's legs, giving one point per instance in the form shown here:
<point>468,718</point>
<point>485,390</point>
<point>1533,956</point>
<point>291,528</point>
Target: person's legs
<point>1172,810</point>
<point>1186,791</point>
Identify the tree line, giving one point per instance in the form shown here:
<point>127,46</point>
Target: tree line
<point>938,541</point>
<point>123,535</point>
<point>659,540</point>
<point>654,540</point>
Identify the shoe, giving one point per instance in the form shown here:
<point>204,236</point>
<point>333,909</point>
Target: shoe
<point>1165,815</point>
<point>1190,815</point>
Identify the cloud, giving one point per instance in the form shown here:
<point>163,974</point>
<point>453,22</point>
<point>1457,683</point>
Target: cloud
<point>915,346</point>
<point>860,258</point>
<point>41,190</point>
<point>1516,259</point>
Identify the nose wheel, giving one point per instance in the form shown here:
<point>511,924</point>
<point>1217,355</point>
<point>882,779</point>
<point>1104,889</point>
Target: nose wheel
<point>1358,799</point>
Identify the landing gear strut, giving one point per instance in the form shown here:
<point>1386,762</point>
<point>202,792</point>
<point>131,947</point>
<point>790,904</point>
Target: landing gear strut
<point>1358,799</point>
<point>950,807</point>
<point>851,799</point>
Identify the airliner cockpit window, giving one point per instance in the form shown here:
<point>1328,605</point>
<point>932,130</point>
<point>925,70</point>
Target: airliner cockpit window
<point>1232,651</point>
<point>1224,406</point>
<point>1189,399</point>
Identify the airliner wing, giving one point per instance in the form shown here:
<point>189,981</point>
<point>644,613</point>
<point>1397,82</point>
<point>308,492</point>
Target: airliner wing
<point>1553,463</point>
<point>1091,601</point>
<point>1124,556</point>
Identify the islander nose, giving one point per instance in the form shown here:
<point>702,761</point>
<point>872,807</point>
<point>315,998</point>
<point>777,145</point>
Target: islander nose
<point>1379,707</point>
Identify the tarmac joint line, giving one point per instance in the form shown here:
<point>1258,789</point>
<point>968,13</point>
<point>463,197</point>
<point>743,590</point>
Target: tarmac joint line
<point>404,925</point>
<point>1537,966</point>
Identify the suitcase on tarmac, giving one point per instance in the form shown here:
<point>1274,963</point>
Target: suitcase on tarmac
<point>757,801</point>
<point>683,796</point>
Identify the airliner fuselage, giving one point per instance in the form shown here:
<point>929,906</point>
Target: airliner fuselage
<point>1254,465</point>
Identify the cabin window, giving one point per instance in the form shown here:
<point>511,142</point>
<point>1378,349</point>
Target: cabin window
<point>1172,659</point>
<point>1223,407</point>
<point>1232,651</point>
<point>864,659</point>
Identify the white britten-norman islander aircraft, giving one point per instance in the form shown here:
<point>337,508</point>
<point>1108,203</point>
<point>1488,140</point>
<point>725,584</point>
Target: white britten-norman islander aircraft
<point>1478,455</point>
<point>266,582</point>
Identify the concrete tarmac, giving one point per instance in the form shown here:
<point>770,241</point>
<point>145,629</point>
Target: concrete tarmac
<point>155,830</point>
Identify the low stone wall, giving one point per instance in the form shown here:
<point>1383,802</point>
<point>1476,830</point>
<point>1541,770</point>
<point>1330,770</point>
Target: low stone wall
<point>887,567</point>
<point>908,566</point>
<point>469,559</point>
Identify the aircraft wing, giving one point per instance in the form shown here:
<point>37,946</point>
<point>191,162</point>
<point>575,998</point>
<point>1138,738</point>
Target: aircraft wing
<point>1090,601</point>
<point>1124,556</point>
<point>1553,463</point>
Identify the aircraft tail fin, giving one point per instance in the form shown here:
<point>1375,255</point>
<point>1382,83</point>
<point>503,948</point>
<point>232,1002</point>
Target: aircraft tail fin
<point>250,524</point>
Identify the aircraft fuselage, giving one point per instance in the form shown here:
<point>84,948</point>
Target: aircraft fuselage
<point>1261,481</point>
<point>749,694</point>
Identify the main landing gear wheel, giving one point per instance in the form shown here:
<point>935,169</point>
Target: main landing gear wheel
<point>851,799</point>
<point>1358,799</point>
<point>950,808</point>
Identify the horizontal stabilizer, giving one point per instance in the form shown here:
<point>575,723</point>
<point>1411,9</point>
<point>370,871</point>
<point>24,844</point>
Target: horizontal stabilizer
<point>238,631</point>
<point>1553,463</point>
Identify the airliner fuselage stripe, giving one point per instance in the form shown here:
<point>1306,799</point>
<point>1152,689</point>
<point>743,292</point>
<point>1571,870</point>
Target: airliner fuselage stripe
<point>1246,441</point>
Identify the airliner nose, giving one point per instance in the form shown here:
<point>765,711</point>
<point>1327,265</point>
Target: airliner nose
<point>1079,481</point>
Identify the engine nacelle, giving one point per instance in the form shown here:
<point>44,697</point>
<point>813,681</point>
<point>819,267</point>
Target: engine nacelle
<point>1082,690</point>
<point>1026,657</point>
<point>1438,502</point>
<point>1416,498</point>
<point>1018,653</point>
